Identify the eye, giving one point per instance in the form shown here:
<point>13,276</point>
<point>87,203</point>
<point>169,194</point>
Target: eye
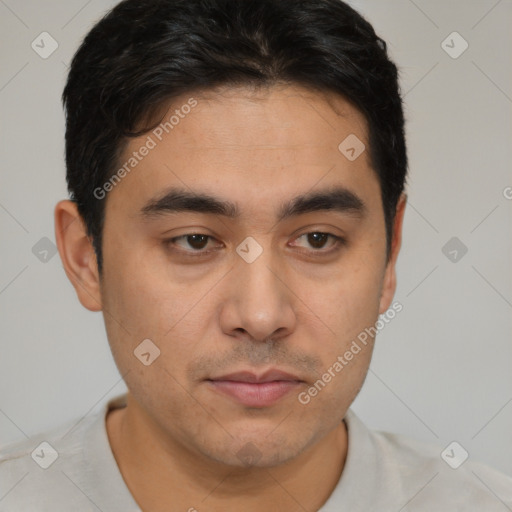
<point>198,244</point>
<point>191,243</point>
<point>318,240</point>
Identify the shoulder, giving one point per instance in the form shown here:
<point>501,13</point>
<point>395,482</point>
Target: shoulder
<point>443,476</point>
<point>38,473</point>
<point>421,476</point>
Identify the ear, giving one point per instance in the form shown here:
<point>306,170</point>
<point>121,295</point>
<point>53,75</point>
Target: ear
<point>77,254</point>
<point>389,284</point>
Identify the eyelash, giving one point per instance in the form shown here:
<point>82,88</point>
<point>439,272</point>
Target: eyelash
<point>339,242</point>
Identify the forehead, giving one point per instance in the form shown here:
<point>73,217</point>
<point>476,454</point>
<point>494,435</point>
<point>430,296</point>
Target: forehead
<point>255,144</point>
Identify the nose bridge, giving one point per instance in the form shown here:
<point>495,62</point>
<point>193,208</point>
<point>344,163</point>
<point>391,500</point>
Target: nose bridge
<point>262,302</point>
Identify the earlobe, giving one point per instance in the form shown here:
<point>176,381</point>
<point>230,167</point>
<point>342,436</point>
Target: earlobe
<point>389,284</point>
<point>77,254</point>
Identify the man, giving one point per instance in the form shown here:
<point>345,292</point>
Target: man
<point>236,171</point>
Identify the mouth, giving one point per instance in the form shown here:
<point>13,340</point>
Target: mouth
<point>253,390</point>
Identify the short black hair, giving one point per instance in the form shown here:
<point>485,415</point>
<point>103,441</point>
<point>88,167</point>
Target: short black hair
<point>144,53</point>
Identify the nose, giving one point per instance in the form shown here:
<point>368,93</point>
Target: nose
<point>259,303</point>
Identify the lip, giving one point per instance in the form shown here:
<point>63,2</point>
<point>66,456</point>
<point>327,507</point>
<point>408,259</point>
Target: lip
<point>268,376</point>
<point>254,390</point>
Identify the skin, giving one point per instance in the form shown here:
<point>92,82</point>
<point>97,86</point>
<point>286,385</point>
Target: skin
<point>176,442</point>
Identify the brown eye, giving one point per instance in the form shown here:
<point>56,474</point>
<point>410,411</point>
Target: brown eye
<point>195,244</point>
<point>197,241</point>
<point>317,240</point>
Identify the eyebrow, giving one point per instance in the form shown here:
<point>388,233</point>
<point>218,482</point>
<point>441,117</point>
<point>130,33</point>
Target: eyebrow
<point>177,200</point>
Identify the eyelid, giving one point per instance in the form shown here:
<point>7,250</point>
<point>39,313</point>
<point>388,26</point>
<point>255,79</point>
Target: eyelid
<point>201,252</point>
<point>339,242</point>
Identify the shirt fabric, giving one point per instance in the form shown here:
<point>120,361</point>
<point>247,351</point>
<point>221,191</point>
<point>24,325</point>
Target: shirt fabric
<point>383,472</point>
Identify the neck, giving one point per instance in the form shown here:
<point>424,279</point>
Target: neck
<point>159,471</point>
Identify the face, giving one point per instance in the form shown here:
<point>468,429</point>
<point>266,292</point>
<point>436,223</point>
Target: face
<point>253,291</point>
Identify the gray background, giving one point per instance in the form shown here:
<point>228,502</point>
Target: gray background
<point>441,369</point>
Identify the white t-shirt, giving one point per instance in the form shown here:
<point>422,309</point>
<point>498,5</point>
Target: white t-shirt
<point>383,472</point>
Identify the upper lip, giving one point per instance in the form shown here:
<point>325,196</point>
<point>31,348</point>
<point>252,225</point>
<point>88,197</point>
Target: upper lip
<point>268,376</point>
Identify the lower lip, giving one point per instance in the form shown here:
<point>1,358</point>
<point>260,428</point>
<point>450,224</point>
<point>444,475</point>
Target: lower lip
<point>255,394</point>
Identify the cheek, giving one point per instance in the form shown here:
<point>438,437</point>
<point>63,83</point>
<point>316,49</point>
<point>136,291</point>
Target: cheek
<point>140,290</point>
<point>348,301</point>
<point>142,302</point>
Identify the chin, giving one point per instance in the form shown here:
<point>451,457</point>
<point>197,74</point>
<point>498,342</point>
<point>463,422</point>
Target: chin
<point>261,450</point>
